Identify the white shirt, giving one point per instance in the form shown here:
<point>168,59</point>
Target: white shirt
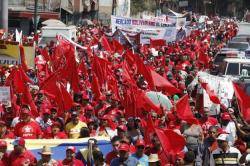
<point>219,150</point>
<point>231,129</point>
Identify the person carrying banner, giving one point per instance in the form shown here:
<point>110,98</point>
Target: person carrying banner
<point>20,155</point>
<point>46,157</point>
<point>70,158</point>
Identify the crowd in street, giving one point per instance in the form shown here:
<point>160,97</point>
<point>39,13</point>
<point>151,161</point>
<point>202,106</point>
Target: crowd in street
<point>107,97</point>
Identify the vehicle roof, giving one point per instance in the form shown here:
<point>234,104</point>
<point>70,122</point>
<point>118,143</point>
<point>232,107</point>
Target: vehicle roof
<point>229,52</point>
<point>237,42</point>
<point>226,49</point>
<point>237,60</point>
<point>243,35</point>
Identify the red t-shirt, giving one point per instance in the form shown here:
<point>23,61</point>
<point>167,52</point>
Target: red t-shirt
<point>30,130</point>
<point>26,158</point>
<point>73,162</point>
<point>8,135</point>
<point>110,156</point>
<point>5,159</point>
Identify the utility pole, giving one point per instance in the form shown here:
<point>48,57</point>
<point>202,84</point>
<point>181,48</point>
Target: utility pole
<point>4,15</point>
<point>35,17</point>
<point>113,7</point>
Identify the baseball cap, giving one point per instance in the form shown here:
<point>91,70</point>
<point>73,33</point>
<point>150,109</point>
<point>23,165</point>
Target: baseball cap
<point>124,147</point>
<point>3,143</point>
<point>225,116</point>
<point>72,148</point>
<point>140,142</point>
<point>25,111</point>
<point>223,137</point>
<point>89,108</point>
<point>19,141</point>
<point>74,113</point>
<point>2,122</point>
<point>46,111</point>
<point>56,124</point>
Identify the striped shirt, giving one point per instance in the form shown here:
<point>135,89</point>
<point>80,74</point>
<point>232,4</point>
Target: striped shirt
<point>220,158</point>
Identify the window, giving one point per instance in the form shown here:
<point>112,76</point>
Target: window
<point>232,69</point>
<point>245,68</point>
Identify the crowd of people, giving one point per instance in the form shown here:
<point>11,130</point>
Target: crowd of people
<point>107,97</point>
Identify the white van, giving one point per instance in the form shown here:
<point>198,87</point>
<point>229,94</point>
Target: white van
<point>49,33</point>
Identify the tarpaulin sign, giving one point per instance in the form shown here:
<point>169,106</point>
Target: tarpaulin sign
<point>10,53</point>
<point>5,95</point>
<point>58,146</point>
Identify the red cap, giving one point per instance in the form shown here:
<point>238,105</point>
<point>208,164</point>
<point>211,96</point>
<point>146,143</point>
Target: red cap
<point>19,141</point>
<point>56,124</point>
<point>225,116</point>
<point>124,147</point>
<point>140,142</point>
<point>25,111</point>
<point>85,96</point>
<point>2,122</point>
<point>72,148</point>
<point>89,108</point>
<point>105,117</point>
<point>102,98</point>
<point>3,143</point>
<point>46,111</point>
<point>122,127</point>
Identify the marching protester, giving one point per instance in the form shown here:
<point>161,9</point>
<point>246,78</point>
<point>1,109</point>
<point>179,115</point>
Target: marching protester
<point>20,155</point>
<point>70,157</point>
<point>46,157</point>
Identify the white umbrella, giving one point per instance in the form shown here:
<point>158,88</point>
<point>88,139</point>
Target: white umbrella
<point>54,23</point>
<point>159,99</point>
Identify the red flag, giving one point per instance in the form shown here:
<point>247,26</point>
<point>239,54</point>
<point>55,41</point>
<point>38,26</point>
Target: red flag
<point>243,101</point>
<point>163,83</point>
<point>126,74</point>
<point>130,57</point>
<point>183,110</point>
<point>23,59</point>
<point>18,79</point>
<point>172,143</point>
<point>27,99</point>
<point>149,130</point>
<point>143,102</point>
<point>95,87</point>
<point>145,71</point>
<point>82,68</point>
<point>100,67</point>
<point>203,58</point>
<point>70,72</point>
<point>129,103</point>
<point>58,93</point>
<point>157,42</point>
<point>212,96</point>
<point>45,54</point>
<point>118,47</point>
<point>105,43</point>
<point>49,85</point>
<point>66,99</point>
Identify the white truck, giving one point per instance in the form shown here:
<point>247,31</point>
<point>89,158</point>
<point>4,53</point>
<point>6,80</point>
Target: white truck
<point>49,33</point>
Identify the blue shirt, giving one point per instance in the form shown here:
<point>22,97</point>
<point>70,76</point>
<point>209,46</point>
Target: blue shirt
<point>143,160</point>
<point>131,161</point>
